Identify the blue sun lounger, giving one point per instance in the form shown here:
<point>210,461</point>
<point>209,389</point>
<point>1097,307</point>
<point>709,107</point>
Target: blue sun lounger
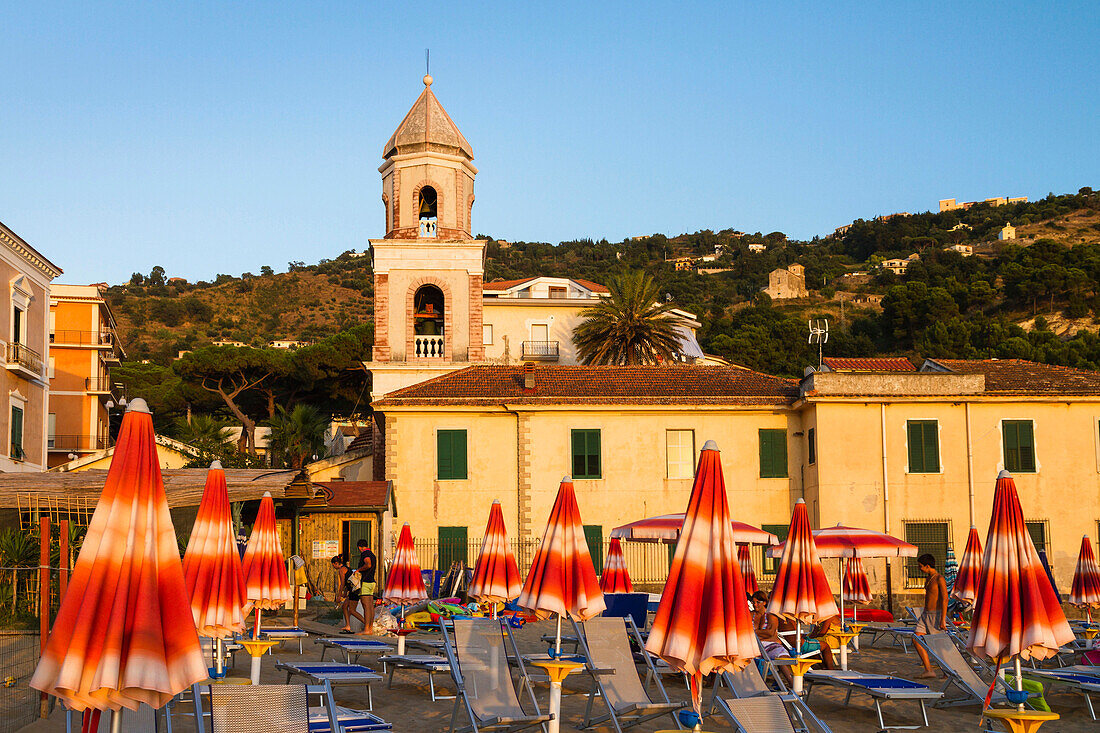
<point>880,687</point>
<point>352,648</point>
<point>1084,682</point>
<point>333,673</point>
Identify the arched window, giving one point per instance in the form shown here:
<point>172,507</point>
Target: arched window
<point>428,322</point>
<point>427,211</point>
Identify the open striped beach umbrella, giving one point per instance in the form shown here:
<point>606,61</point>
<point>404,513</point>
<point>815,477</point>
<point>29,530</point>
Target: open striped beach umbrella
<point>748,573</point>
<point>404,583</point>
<point>666,528</point>
<point>266,584</point>
<point>856,588</point>
<point>124,633</point>
<point>703,624</point>
<point>212,565</point>
<point>1086,580</point>
<point>970,569</point>
<point>562,579</point>
<point>1016,613</point>
<point>496,574</point>
<point>615,578</point>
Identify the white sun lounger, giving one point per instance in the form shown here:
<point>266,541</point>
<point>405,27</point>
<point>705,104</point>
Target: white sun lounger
<point>880,687</point>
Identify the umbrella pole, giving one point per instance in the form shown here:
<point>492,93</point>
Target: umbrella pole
<point>1019,682</point>
<point>557,639</point>
<point>843,644</point>
<point>796,687</point>
<point>116,721</point>
<point>400,636</point>
<point>256,657</point>
<point>219,658</point>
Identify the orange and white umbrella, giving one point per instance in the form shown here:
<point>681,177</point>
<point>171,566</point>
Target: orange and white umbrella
<point>703,624</point>
<point>266,583</point>
<point>124,633</point>
<point>801,591</point>
<point>1086,580</point>
<point>1016,613</point>
<point>666,528</point>
<point>970,569</point>
<point>856,588</point>
<point>562,579</point>
<point>748,573</point>
<point>615,578</point>
<point>404,583</point>
<point>496,574</point>
<point>212,564</point>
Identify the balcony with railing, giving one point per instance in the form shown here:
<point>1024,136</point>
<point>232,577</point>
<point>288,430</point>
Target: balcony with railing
<point>98,385</point>
<point>428,347</point>
<point>99,339</point>
<point>77,443</point>
<point>21,358</point>
<point>540,350</point>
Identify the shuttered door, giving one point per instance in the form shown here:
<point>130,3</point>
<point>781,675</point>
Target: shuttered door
<point>452,547</point>
<point>593,535</point>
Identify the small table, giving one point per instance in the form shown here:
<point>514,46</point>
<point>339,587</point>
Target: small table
<point>1018,721</point>
<point>226,681</point>
<point>842,638</point>
<point>257,648</point>
<point>799,667</point>
<point>856,627</point>
<point>401,634</point>
<point>557,670</point>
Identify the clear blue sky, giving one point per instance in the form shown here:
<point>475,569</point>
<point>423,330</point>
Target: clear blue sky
<point>218,137</point>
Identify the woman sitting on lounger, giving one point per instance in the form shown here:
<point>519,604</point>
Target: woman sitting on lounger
<point>767,631</point>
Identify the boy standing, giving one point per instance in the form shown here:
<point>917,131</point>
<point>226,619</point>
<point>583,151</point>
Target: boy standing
<point>367,563</point>
<point>933,618</point>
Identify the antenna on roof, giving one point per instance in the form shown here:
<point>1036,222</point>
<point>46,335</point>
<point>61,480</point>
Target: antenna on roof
<point>819,334</point>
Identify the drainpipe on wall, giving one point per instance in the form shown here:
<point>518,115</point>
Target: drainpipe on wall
<point>519,476</point>
<point>969,462</point>
<point>886,507</point>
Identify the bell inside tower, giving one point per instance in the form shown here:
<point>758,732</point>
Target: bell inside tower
<point>427,211</point>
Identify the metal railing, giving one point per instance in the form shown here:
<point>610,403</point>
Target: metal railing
<point>77,442</point>
<point>98,384</point>
<point>428,347</point>
<point>540,350</point>
<point>83,338</point>
<point>25,357</point>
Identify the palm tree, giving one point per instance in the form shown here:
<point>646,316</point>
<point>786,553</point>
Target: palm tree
<point>298,434</point>
<point>204,431</point>
<point>631,326</point>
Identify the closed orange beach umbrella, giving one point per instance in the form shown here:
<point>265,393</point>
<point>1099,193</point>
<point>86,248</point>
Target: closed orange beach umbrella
<point>496,574</point>
<point>748,574</point>
<point>615,578</point>
<point>1086,580</point>
<point>267,586</point>
<point>404,583</point>
<point>703,624</point>
<point>856,588</point>
<point>124,633</point>
<point>212,564</point>
<point>1016,613</point>
<point>562,579</point>
<point>970,569</point>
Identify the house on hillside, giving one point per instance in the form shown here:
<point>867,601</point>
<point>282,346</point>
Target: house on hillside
<point>757,247</point>
<point>1007,232</point>
<point>965,250</point>
<point>171,453</point>
<point>899,266</point>
<point>788,282</point>
<point>681,263</point>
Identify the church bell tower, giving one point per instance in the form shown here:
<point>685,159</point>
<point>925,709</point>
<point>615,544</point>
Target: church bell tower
<point>428,268</point>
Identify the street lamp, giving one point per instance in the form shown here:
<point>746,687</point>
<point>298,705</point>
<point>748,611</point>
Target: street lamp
<point>110,406</point>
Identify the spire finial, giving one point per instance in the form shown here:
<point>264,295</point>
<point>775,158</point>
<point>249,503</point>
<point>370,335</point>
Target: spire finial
<point>427,67</point>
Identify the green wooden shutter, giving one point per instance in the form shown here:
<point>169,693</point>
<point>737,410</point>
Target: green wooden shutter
<point>811,445</point>
<point>458,453</point>
<point>444,463</point>
<point>451,454</point>
<point>17,433</point>
<point>1011,445</point>
<point>916,445</point>
<point>594,454</point>
<point>1026,437</point>
<point>580,464</point>
<point>593,535</point>
<point>924,449</point>
<point>452,547</point>
<point>931,447</point>
<point>779,530</point>
<point>773,453</point>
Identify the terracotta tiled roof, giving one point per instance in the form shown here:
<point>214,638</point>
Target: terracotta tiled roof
<point>355,494</point>
<point>673,385</point>
<point>875,364</point>
<point>594,287</point>
<point>362,442</point>
<point>1021,376</point>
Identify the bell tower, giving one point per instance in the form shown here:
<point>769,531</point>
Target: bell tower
<point>428,268</point>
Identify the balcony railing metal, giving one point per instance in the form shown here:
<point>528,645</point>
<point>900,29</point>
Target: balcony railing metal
<point>99,385</point>
<point>428,347</point>
<point>104,339</point>
<point>26,357</point>
<point>77,442</point>
<point>547,350</point>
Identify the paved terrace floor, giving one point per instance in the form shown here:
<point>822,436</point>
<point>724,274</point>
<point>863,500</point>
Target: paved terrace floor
<point>408,706</point>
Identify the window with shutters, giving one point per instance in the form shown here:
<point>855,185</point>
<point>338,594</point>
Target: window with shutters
<point>17,434</point>
<point>923,439</point>
<point>811,446</point>
<point>771,565</point>
<point>1039,530</point>
<point>452,547</point>
<point>680,453</point>
<point>773,453</point>
<point>586,454</point>
<point>451,454</point>
<point>593,535</point>
<point>930,536</point>
<point>1019,445</point>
